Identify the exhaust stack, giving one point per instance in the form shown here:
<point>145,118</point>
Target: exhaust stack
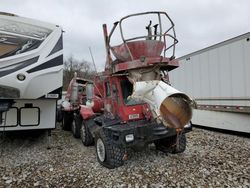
<point>168,105</point>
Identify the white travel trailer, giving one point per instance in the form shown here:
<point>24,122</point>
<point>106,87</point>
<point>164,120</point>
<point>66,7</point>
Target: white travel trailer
<point>218,79</point>
<point>31,69</point>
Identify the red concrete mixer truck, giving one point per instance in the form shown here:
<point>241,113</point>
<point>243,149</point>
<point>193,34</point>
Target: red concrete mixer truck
<point>131,103</point>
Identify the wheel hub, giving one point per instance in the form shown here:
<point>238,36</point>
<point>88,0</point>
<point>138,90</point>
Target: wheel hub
<point>100,150</point>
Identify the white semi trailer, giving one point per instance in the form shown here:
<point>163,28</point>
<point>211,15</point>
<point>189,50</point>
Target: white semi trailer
<point>31,68</point>
<point>218,78</point>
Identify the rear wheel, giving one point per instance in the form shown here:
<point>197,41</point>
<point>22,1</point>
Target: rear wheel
<point>108,154</point>
<point>86,136</point>
<point>67,120</point>
<point>76,126</point>
<point>180,145</point>
<point>59,115</point>
<point>173,144</point>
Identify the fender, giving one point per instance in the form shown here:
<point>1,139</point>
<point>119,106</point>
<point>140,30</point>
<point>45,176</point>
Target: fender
<point>86,112</point>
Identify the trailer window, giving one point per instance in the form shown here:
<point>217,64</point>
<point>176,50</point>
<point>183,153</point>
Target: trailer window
<point>127,89</point>
<point>12,45</point>
<point>17,37</point>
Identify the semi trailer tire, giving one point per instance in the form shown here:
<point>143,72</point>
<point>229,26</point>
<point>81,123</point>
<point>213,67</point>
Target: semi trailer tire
<point>108,154</point>
<point>171,145</point>
<point>67,120</point>
<point>86,136</point>
<point>76,126</point>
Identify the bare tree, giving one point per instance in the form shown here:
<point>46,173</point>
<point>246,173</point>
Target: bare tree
<point>82,68</point>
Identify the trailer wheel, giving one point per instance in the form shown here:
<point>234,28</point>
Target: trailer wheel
<point>86,136</point>
<point>108,154</point>
<point>76,126</point>
<point>67,120</point>
<point>170,144</point>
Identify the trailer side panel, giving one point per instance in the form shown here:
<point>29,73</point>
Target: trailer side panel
<point>218,79</point>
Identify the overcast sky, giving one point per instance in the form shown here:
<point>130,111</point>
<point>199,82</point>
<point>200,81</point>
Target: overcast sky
<point>199,23</point>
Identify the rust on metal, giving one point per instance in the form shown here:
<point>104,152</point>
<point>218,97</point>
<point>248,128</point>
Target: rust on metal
<point>176,112</point>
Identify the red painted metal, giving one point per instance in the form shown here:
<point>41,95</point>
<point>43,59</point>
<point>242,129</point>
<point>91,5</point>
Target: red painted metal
<point>135,53</point>
<point>147,112</point>
<point>82,82</point>
<point>138,49</point>
<point>165,63</point>
<point>98,104</point>
<point>119,108</point>
<point>81,95</point>
<point>106,40</point>
<point>86,112</point>
<point>142,51</point>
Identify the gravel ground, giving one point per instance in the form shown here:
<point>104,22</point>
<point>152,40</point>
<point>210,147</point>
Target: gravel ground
<point>211,160</point>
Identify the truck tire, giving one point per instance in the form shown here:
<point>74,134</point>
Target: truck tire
<point>76,126</point>
<point>108,154</point>
<point>169,145</point>
<point>67,120</point>
<point>182,145</point>
<point>86,136</point>
<point>59,115</point>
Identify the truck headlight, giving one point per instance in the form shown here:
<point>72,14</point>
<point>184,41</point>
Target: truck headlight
<point>129,138</point>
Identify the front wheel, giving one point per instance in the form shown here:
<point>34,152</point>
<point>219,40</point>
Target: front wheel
<point>108,154</point>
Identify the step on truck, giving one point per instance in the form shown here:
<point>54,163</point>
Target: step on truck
<point>131,103</point>
<point>31,68</point>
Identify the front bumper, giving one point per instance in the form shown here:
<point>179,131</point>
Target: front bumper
<point>139,132</point>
